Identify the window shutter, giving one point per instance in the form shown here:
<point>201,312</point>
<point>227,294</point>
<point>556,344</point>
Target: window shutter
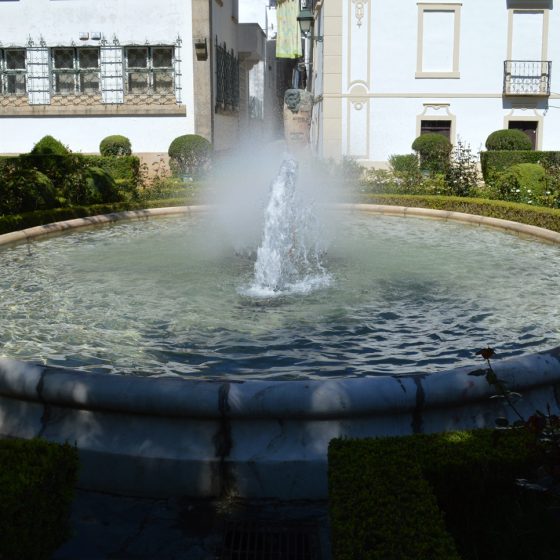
<point>112,86</point>
<point>38,84</point>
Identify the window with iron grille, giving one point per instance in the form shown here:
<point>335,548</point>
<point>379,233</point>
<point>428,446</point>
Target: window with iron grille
<point>75,70</point>
<point>227,79</point>
<point>12,72</point>
<point>150,70</point>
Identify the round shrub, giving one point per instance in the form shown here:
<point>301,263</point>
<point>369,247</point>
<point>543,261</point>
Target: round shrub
<point>190,155</point>
<point>523,182</point>
<point>508,139</point>
<point>115,145</point>
<point>434,150</point>
<point>50,146</point>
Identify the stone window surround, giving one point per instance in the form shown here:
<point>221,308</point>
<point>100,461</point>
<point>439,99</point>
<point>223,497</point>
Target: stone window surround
<point>434,7</point>
<point>525,8</point>
<point>428,115</point>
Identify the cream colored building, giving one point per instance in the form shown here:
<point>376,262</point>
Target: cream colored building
<point>386,71</point>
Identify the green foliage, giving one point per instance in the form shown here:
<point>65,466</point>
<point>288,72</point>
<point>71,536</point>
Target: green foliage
<point>101,187</point>
<point>383,495</point>
<point>115,145</point>
<point>24,189</point>
<point>190,155</point>
<point>37,481</point>
<point>462,176</point>
<point>434,150</point>
<point>522,182</point>
<point>508,139</point>
<point>406,171</point>
<point>381,507</point>
<point>496,161</point>
<point>125,170</point>
<point>49,146</point>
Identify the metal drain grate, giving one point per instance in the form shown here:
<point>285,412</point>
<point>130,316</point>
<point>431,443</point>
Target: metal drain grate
<point>244,540</point>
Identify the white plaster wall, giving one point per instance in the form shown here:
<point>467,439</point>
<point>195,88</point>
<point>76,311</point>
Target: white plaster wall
<point>59,22</point>
<point>83,134</point>
<point>379,65</point>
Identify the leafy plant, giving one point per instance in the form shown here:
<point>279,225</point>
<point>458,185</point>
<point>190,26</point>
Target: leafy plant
<point>434,150</point>
<point>508,139</point>
<point>190,155</point>
<point>462,175</point>
<point>115,145</point>
<point>50,146</point>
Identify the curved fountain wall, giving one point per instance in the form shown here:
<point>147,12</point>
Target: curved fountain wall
<point>170,436</point>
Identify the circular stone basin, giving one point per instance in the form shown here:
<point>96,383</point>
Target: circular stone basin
<point>231,435</point>
<point>167,297</point>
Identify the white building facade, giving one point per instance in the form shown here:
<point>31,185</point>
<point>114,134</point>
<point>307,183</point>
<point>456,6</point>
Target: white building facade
<point>385,72</point>
<point>81,70</point>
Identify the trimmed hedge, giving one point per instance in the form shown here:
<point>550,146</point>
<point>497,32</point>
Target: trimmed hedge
<point>49,146</point>
<point>540,216</point>
<point>384,497</point>
<point>125,170</point>
<point>508,139</point>
<point>434,150</point>
<point>190,154</point>
<point>15,222</point>
<point>115,145</point>
<point>500,160</point>
<point>37,480</point>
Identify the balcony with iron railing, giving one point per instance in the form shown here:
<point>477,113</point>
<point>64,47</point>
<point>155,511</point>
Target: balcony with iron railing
<point>527,77</point>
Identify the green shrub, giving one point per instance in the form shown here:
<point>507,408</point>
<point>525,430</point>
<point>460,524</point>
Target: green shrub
<point>37,480</point>
<point>523,182</point>
<point>24,189</point>
<point>190,155</point>
<point>49,146</point>
<point>115,145</point>
<point>384,495</point>
<point>548,218</point>
<point>462,176</point>
<point>101,187</point>
<point>508,139</point>
<point>434,150</point>
<point>496,161</point>
<point>125,170</point>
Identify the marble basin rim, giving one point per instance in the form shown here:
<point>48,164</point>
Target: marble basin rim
<point>168,436</point>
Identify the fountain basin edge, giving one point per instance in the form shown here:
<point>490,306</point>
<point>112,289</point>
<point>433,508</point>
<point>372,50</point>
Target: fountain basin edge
<point>169,436</point>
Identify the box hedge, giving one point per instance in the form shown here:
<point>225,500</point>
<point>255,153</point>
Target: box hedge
<point>500,160</point>
<point>548,218</point>
<point>438,496</point>
<point>37,480</point>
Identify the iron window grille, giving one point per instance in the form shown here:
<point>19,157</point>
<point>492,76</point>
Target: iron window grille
<point>527,77</point>
<point>75,70</point>
<point>227,79</point>
<point>13,72</point>
<point>150,70</point>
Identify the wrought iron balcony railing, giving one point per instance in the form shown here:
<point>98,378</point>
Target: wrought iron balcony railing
<point>527,77</point>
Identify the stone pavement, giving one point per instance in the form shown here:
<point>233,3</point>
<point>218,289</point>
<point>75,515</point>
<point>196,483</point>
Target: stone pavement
<point>115,527</point>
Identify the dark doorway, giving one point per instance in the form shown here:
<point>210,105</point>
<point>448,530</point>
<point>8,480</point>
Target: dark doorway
<point>528,127</point>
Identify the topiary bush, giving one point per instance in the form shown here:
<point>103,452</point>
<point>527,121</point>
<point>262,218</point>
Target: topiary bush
<point>401,498</point>
<point>37,480</point>
<point>434,151</point>
<point>49,146</point>
<point>24,189</point>
<point>523,182</point>
<point>508,139</point>
<point>115,145</point>
<point>190,155</point>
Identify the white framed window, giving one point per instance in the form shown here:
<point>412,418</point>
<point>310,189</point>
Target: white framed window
<point>150,70</point>
<point>13,73</point>
<point>75,70</point>
<point>439,28</point>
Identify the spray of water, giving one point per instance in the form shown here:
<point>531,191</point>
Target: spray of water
<point>289,256</point>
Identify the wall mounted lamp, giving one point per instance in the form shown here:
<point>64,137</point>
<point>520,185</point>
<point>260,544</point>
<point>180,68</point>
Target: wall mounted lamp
<point>201,49</point>
<point>306,22</point>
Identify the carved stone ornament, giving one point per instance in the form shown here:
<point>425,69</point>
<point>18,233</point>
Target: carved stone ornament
<point>359,10</point>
